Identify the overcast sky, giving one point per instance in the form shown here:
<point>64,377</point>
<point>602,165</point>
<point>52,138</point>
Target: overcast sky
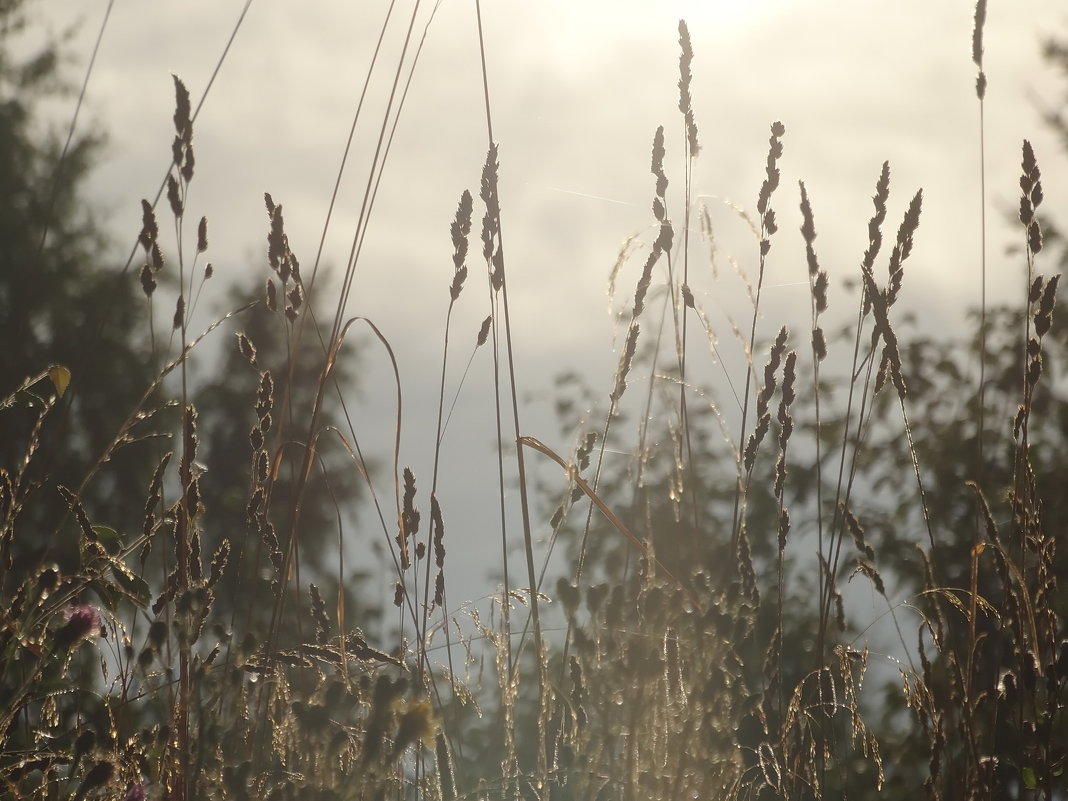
<point>578,87</point>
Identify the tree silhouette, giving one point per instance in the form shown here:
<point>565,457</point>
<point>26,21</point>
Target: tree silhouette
<point>227,406</point>
<point>63,300</point>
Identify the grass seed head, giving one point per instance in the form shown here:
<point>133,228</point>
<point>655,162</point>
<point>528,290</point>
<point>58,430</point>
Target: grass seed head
<point>625,360</point>
<point>685,101</point>
<point>977,47</point>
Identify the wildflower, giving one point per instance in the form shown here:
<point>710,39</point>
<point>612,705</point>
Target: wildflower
<point>135,792</point>
<point>80,622</point>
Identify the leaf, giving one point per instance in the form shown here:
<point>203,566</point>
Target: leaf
<point>106,592</point>
<point>109,538</point>
<point>60,376</point>
<point>133,585</point>
<point>1030,780</point>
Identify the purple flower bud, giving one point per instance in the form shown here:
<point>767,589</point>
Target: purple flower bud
<point>135,792</point>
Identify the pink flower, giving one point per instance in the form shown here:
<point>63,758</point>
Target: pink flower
<point>80,621</point>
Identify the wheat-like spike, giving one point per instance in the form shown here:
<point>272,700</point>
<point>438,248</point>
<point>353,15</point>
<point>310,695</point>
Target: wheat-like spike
<point>625,360</point>
<point>75,505</point>
<point>891,352</point>
<point>438,527</point>
<point>875,236</point>
<point>409,522</point>
<point>202,235</point>
<point>903,247</point>
<point>857,531</point>
<point>808,232</point>
<point>685,102</point>
<point>174,196</point>
<point>460,229</point>
<point>657,166</point>
<point>219,562</point>
<point>977,47</point>
<point>1031,196</point>
<point>642,287</point>
<point>771,169</point>
<point>149,228</point>
<point>867,569</point>
<point>1044,314</point>
<point>483,331</point>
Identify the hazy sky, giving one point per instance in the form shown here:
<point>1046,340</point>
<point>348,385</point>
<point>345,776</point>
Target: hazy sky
<point>578,88</point>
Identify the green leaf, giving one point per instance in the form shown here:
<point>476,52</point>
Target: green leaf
<point>107,592</point>
<point>1030,780</point>
<point>109,538</point>
<point>134,586</point>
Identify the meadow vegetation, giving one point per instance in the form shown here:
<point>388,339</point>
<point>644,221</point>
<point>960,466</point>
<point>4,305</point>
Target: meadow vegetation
<point>183,621</point>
